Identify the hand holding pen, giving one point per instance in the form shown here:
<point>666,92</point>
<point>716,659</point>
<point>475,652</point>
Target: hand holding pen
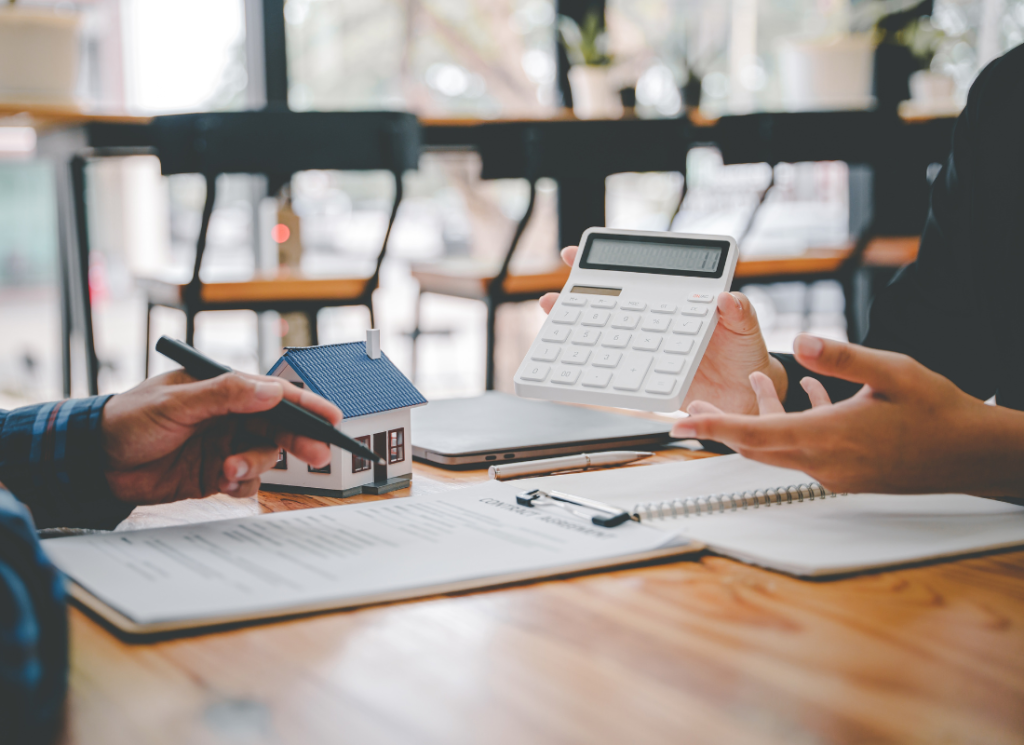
<point>175,437</point>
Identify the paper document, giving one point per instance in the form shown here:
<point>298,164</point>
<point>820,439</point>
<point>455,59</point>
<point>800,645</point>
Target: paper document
<point>338,556</point>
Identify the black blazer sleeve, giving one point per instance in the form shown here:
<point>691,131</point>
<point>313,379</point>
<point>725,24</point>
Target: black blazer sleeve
<point>944,310</point>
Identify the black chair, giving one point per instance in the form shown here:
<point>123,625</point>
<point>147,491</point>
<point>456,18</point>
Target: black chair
<point>570,152</point>
<point>276,144</point>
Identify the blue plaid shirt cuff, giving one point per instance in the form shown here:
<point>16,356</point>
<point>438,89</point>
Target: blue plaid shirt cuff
<point>51,457</point>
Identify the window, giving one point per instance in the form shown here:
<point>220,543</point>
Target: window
<point>297,384</point>
<point>282,461</point>
<point>396,445</point>
<point>361,464</point>
<point>325,469</point>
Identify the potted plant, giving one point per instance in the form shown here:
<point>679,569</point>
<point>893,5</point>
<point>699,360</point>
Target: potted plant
<point>907,42</point>
<point>586,46</point>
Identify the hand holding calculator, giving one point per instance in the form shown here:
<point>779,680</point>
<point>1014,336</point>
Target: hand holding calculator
<point>632,323</point>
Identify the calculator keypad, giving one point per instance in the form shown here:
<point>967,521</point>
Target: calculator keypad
<point>565,315</point>
<point>626,321</point>
<point>606,343</point>
<point>575,356</point>
<point>595,318</point>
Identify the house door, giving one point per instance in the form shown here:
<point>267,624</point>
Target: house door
<point>380,447</point>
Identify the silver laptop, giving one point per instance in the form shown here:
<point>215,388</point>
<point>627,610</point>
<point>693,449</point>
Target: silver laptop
<point>498,427</point>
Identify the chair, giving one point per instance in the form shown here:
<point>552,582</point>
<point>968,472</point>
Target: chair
<point>569,152</point>
<point>276,144</point>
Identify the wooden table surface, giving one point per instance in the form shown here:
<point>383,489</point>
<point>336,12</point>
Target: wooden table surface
<point>703,650</point>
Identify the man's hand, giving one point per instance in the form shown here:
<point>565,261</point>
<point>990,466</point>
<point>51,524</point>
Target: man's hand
<point>736,350</point>
<point>173,438</point>
<point>908,430</point>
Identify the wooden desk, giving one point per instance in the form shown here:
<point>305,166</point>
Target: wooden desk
<point>694,651</point>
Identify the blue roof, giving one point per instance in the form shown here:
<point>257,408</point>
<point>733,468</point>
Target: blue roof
<point>348,378</point>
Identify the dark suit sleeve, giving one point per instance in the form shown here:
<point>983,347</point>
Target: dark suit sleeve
<point>930,311</point>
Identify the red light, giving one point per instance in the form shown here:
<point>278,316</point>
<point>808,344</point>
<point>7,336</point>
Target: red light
<point>280,233</point>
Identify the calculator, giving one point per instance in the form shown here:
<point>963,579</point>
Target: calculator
<point>632,323</point>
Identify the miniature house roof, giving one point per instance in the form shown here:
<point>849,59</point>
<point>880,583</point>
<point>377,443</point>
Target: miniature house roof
<point>347,377</point>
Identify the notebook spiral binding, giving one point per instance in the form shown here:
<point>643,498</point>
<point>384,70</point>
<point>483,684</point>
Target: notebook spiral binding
<point>712,503</point>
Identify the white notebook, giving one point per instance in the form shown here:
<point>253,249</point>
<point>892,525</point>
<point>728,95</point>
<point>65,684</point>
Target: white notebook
<point>782,519</point>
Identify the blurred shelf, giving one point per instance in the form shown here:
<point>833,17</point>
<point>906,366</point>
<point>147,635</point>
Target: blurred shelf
<point>272,290</point>
<point>472,279</point>
<point>41,116</point>
<point>891,251</point>
<point>816,261</point>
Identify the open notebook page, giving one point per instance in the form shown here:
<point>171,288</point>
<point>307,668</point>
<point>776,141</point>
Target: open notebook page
<point>815,537</point>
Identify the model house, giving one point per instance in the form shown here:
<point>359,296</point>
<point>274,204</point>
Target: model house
<point>376,399</point>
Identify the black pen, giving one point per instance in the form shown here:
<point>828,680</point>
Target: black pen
<point>286,415</point>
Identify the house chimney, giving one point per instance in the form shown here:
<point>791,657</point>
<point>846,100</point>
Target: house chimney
<point>373,344</point>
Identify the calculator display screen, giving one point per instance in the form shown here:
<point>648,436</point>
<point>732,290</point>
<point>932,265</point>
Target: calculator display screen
<point>687,257</point>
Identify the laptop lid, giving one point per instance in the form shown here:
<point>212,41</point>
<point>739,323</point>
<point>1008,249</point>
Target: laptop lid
<point>498,427</point>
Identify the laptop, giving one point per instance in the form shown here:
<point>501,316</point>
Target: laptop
<point>498,427</point>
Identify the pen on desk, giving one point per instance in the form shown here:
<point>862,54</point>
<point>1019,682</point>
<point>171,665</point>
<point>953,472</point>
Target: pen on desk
<point>287,415</point>
<point>584,461</point>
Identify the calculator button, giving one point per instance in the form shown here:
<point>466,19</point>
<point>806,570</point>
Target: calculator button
<point>679,346</point>
<point>602,302</point>
<point>535,372</point>
<point>694,310</point>
<point>555,334</point>
<point>545,353</point>
<point>566,375</point>
<point>586,337</point>
<point>658,384</point>
<point>575,356</point>
<point>595,317</point>
<point>596,378</point>
<point>687,327</point>
<point>634,305</point>
<point>577,301</point>
<point>700,297</point>
<point>673,365</point>
<point>565,315</point>
<point>626,321</point>
<point>607,359</point>
<point>647,342</point>
<point>617,340</point>
<point>654,323</point>
<point>631,375</point>
<point>663,308</point>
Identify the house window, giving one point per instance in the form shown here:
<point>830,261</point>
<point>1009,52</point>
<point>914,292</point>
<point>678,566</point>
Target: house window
<point>361,464</point>
<point>396,445</point>
<point>282,460</point>
<point>297,384</point>
<point>325,469</point>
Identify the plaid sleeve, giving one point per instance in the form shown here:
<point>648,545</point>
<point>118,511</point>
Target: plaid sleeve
<point>33,632</point>
<point>51,458</point>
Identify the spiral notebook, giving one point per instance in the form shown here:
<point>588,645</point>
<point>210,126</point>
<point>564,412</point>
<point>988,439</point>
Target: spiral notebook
<point>782,519</point>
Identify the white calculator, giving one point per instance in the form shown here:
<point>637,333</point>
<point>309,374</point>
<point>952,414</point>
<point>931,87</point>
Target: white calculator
<point>632,323</point>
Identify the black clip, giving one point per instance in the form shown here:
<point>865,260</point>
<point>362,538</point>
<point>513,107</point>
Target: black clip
<point>607,516</point>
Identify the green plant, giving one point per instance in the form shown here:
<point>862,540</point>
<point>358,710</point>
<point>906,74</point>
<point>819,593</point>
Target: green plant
<point>586,44</point>
<point>912,29</point>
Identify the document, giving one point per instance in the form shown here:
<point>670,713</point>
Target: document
<point>332,557</point>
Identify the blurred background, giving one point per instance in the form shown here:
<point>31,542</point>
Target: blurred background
<point>449,60</point>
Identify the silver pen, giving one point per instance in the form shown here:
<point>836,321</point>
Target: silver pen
<point>584,461</point>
